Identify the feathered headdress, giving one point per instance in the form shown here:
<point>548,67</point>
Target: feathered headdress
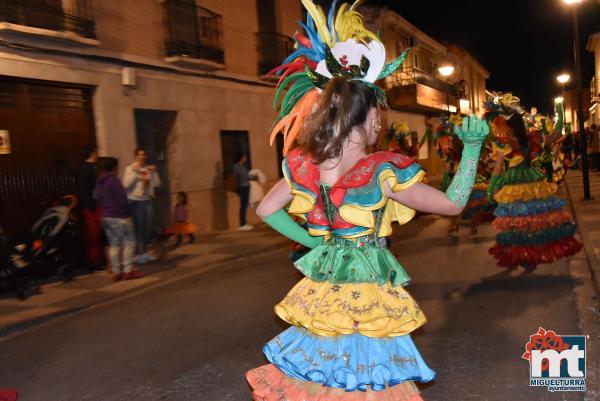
<point>336,45</point>
<point>502,105</point>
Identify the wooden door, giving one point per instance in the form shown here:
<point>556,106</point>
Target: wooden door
<point>49,124</point>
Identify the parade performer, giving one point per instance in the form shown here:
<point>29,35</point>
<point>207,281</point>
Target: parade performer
<point>351,316</point>
<point>398,138</point>
<point>449,148</point>
<point>534,228</point>
<point>480,209</point>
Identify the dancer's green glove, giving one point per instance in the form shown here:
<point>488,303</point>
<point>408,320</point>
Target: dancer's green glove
<point>560,120</point>
<point>495,182</point>
<point>283,223</point>
<point>472,133</point>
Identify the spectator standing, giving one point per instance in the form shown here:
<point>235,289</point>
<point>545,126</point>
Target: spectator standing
<point>116,221</point>
<point>86,184</point>
<point>240,170</point>
<point>182,225</point>
<point>140,181</point>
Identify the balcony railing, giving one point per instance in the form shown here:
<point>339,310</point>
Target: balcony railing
<point>595,89</point>
<point>273,48</point>
<point>411,76</point>
<point>75,16</point>
<point>193,31</point>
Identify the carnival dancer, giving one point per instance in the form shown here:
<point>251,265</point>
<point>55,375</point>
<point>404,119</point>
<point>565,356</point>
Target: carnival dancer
<point>351,317</point>
<point>534,228</point>
<point>449,148</point>
<point>398,139</point>
<point>480,209</point>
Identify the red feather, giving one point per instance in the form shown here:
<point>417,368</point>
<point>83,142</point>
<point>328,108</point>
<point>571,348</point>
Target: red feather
<point>303,40</point>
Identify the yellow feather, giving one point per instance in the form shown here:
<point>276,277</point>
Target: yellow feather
<point>316,12</point>
<point>349,25</point>
<point>355,5</point>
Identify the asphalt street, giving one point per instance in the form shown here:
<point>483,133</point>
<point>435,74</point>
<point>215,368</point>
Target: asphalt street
<point>195,339</point>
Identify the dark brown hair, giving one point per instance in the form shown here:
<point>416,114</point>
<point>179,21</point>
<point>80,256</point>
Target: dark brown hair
<point>108,164</point>
<point>342,106</point>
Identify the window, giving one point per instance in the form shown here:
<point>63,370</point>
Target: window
<point>193,31</point>
<point>56,15</point>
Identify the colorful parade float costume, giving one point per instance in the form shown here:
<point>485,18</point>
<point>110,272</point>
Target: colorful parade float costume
<point>533,227</point>
<point>351,316</point>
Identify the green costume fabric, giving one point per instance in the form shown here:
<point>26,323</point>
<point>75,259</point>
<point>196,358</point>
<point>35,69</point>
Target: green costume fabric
<point>364,259</point>
<point>472,133</point>
<point>344,261</point>
<point>495,182</point>
<point>283,223</point>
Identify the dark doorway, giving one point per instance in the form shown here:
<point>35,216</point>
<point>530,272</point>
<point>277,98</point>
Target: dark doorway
<point>234,143</point>
<point>152,130</point>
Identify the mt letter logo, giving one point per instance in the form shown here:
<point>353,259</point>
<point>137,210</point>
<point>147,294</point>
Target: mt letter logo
<point>556,362</point>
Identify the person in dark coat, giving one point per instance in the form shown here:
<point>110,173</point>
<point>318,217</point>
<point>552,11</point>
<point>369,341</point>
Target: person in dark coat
<point>86,184</point>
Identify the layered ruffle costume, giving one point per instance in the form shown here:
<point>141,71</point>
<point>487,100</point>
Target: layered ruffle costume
<point>447,145</point>
<point>351,316</point>
<point>533,227</point>
<point>479,210</point>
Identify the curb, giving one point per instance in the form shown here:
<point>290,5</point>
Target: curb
<point>13,330</point>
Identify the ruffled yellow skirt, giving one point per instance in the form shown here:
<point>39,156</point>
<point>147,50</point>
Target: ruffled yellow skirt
<point>369,309</point>
<point>526,192</point>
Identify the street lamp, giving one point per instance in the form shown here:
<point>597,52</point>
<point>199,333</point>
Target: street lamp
<point>446,70</point>
<point>558,99</point>
<point>582,138</point>
<point>563,78</point>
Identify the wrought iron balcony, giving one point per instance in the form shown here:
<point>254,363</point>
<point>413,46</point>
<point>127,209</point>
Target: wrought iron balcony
<point>75,16</point>
<point>273,48</point>
<point>193,32</point>
<point>413,89</point>
<point>412,76</point>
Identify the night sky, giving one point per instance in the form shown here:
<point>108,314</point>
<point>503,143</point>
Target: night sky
<point>524,44</point>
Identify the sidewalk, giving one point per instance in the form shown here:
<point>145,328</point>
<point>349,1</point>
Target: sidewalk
<point>587,214</point>
<point>87,290</point>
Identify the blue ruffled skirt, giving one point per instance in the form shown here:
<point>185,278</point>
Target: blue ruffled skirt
<point>349,362</point>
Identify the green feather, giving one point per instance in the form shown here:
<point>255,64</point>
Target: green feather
<point>393,66</point>
<point>293,95</point>
<point>284,85</point>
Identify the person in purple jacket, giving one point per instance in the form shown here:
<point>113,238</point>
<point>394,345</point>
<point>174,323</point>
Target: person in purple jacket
<point>116,220</point>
